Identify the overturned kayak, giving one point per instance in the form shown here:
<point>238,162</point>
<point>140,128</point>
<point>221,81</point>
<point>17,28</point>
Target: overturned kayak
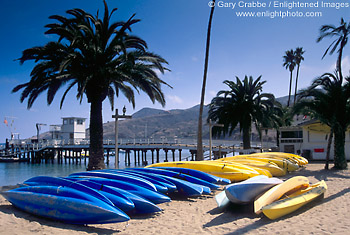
<point>246,191</point>
<point>64,204</point>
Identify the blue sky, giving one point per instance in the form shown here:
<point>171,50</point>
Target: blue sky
<point>175,29</point>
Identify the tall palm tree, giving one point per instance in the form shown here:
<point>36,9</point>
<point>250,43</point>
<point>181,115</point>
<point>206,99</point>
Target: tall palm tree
<point>199,155</point>
<point>327,100</point>
<point>341,33</point>
<point>298,54</point>
<point>242,104</point>
<point>98,58</point>
<point>289,63</point>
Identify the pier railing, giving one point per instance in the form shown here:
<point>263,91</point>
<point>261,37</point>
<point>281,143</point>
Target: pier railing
<point>136,141</point>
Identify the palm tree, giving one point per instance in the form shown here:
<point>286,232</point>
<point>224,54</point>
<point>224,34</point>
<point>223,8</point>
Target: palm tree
<point>101,60</point>
<point>341,33</point>
<point>289,63</point>
<point>199,155</point>
<point>327,100</point>
<point>242,104</point>
<point>298,54</point>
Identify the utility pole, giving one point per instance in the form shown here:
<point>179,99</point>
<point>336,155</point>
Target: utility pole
<point>211,125</point>
<point>38,127</point>
<point>116,116</point>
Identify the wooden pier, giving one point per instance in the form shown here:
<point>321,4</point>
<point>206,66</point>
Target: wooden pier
<point>133,153</point>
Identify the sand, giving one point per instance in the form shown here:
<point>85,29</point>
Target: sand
<point>329,215</point>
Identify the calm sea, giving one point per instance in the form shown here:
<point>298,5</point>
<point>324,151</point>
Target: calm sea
<point>17,172</point>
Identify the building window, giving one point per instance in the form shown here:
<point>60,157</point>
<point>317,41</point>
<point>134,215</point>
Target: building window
<point>80,121</point>
<point>292,134</point>
<point>292,141</point>
<point>65,121</point>
<point>71,136</point>
<point>71,121</point>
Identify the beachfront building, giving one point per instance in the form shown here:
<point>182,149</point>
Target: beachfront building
<point>73,130</point>
<point>309,138</point>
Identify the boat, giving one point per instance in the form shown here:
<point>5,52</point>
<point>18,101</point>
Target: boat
<point>276,192</point>
<point>141,205</point>
<point>178,175</point>
<point>294,201</point>
<point>184,187</point>
<point>122,177</point>
<point>146,193</point>
<point>282,163</point>
<point>301,161</point>
<point>57,181</point>
<point>223,201</point>
<point>13,159</point>
<point>161,187</point>
<point>64,204</point>
<point>246,191</point>
<point>187,189</point>
<point>217,169</point>
<point>118,199</point>
<point>198,174</point>
<point>171,187</point>
<point>273,168</point>
<point>240,165</point>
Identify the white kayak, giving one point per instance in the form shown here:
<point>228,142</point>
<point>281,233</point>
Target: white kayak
<point>245,191</point>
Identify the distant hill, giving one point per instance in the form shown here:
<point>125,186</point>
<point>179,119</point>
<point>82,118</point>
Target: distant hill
<point>284,99</point>
<point>176,123</point>
<point>156,124</point>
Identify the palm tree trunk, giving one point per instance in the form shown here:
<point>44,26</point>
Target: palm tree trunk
<point>290,87</point>
<point>339,60</point>
<point>339,148</point>
<point>199,155</point>
<point>296,84</point>
<point>246,138</point>
<point>329,149</point>
<point>96,157</point>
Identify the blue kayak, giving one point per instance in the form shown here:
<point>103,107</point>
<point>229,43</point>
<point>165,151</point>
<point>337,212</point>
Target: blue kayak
<point>171,187</point>
<point>126,178</point>
<point>183,187</point>
<point>117,198</point>
<point>49,180</point>
<point>180,176</point>
<point>198,174</point>
<point>142,206</point>
<point>150,195</point>
<point>162,188</point>
<point>64,204</point>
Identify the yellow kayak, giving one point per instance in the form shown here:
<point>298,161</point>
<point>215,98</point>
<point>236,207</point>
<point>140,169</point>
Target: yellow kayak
<point>270,155</point>
<point>276,192</point>
<point>260,170</point>
<point>271,167</point>
<point>222,170</point>
<point>282,163</point>
<point>299,159</point>
<point>294,201</point>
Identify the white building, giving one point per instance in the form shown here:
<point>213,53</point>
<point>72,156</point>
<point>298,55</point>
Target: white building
<point>309,138</point>
<point>73,129</point>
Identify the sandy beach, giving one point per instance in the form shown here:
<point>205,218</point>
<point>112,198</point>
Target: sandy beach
<point>201,216</point>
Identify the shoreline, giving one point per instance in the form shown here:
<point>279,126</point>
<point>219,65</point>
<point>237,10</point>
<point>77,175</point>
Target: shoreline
<point>201,215</point>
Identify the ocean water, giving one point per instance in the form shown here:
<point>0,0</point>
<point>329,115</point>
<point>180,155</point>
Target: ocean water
<point>12,173</point>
